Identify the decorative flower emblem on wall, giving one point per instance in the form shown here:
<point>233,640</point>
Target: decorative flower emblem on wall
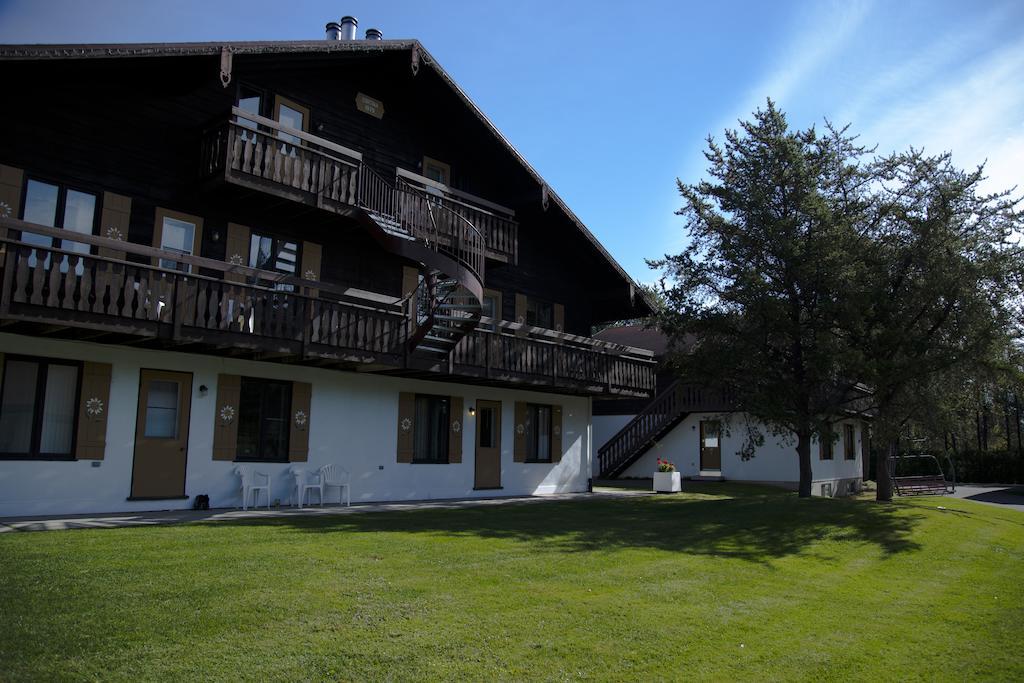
<point>5,210</point>
<point>227,415</point>
<point>456,426</point>
<point>94,407</point>
<point>520,429</point>
<point>301,418</point>
<point>235,259</point>
<point>309,274</point>
<point>115,234</point>
<point>406,424</point>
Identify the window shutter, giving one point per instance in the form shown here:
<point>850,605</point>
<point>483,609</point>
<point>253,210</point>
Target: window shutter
<point>406,425</point>
<point>94,406</point>
<point>114,222</point>
<point>520,316</point>
<point>298,435</point>
<point>556,433</point>
<point>457,419</point>
<point>312,255</point>
<point>10,193</point>
<point>559,317</point>
<point>519,431</point>
<point>225,418</point>
<point>237,251</point>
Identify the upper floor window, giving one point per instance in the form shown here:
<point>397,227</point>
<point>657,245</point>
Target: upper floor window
<point>250,100</point>
<point>178,233</point>
<point>290,115</point>
<point>275,254</point>
<point>825,445</point>
<point>37,407</point>
<point>59,206</point>
<point>540,313</point>
<point>437,171</point>
<point>849,442</point>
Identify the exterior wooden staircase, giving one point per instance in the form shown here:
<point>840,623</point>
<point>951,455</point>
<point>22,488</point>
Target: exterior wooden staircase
<point>665,411</point>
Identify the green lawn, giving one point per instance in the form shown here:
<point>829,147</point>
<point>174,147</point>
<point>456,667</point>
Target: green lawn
<point>735,582</point>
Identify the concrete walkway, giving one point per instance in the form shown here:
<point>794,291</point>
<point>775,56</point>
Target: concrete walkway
<point>1000,495</point>
<point>130,519</point>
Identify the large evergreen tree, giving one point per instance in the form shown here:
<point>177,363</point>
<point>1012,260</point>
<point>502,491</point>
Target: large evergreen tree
<point>814,281</point>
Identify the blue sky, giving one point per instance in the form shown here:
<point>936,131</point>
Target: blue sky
<point>611,102</point>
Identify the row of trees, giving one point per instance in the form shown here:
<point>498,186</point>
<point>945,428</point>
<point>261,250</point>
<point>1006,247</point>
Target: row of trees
<point>823,280</point>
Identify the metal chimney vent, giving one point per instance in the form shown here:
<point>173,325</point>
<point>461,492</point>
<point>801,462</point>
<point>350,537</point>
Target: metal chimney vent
<point>333,31</point>
<point>374,34</point>
<point>348,28</point>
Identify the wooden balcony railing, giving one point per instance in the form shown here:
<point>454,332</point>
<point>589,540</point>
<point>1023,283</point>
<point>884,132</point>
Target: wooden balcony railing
<point>495,222</point>
<point>66,289</point>
<point>545,357</point>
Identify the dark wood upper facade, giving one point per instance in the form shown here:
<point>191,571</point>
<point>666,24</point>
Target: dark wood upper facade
<point>384,182</point>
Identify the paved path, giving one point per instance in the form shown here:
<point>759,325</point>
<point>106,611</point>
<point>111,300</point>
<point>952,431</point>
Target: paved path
<point>1000,495</point>
<point>128,519</point>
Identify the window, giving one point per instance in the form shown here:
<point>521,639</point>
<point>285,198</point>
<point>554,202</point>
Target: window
<point>825,445</point>
<point>491,307</point>
<point>540,314</point>
<point>38,408</point>
<point>438,171</point>
<point>290,115</point>
<point>275,254</point>
<point>56,205</point>
<point>431,431</point>
<point>849,442</point>
<point>250,100</point>
<point>538,433</point>
<point>487,426</point>
<point>162,410</point>
<point>263,426</point>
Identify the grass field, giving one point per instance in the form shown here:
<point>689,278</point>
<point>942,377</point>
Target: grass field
<point>731,583</point>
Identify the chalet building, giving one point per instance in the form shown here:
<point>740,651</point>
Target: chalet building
<point>276,256</point>
<point>699,430</point>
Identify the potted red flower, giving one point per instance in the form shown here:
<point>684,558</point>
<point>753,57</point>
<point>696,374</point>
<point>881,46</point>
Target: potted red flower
<point>666,478</point>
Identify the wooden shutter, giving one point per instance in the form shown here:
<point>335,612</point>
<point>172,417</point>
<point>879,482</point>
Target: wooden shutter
<point>556,433</point>
<point>406,425</point>
<point>115,220</point>
<point>225,417</point>
<point>312,255</point>
<point>457,422</point>
<point>521,314</point>
<point>93,408</point>
<point>10,193</point>
<point>559,317</point>
<point>519,432</point>
<point>237,250</point>
<point>298,434</point>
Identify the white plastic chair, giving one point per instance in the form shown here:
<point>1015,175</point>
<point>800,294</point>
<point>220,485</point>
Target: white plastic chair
<point>253,482</point>
<point>303,486</point>
<point>336,476</point>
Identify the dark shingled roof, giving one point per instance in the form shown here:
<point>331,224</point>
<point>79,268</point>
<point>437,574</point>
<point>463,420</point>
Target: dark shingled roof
<point>40,52</point>
<point>635,335</point>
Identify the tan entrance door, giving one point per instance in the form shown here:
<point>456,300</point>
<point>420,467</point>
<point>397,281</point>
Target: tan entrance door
<point>710,445</point>
<point>161,434</point>
<point>488,445</point>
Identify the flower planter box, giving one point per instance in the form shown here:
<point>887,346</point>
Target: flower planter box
<point>667,482</point>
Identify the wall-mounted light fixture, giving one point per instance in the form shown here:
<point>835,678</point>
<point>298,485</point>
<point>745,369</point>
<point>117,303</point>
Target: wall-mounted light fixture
<point>203,389</point>
<point>472,411</point>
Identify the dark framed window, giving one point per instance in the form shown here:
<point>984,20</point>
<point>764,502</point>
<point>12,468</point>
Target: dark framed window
<point>825,445</point>
<point>540,313</point>
<point>538,433</point>
<point>60,206</point>
<point>267,252</point>
<point>849,442</point>
<point>263,426</point>
<point>38,408</point>
<point>432,419</point>
<point>252,101</point>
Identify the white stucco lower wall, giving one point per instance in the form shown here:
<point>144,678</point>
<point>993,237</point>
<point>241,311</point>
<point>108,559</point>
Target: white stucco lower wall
<point>353,422</point>
<point>775,461</point>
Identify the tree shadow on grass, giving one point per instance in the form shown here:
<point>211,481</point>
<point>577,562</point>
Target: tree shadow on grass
<point>757,526</point>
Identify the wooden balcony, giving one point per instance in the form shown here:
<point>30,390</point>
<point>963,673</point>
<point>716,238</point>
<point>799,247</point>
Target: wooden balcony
<point>261,154</point>
<point>71,294</point>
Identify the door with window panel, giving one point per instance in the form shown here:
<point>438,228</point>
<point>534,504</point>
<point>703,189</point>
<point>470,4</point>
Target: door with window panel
<point>58,206</point>
<point>276,255</point>
<point>161,434</point>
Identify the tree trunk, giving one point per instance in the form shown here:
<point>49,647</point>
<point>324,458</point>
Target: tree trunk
<point>803,451</point>
<point>883,484</point>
